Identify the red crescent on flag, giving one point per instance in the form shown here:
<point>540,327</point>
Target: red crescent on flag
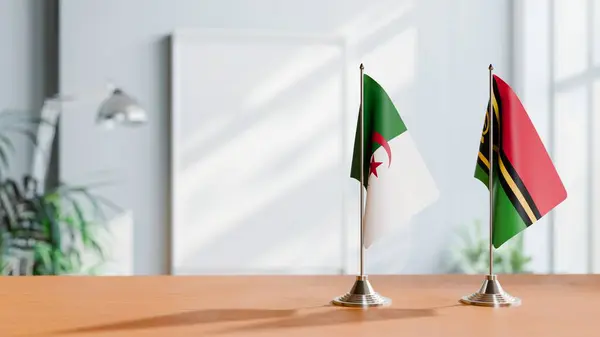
<point>378,138</point>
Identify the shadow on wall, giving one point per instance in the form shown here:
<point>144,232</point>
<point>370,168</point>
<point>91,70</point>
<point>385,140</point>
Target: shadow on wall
<point>419,57</point>
<point>284,234</point>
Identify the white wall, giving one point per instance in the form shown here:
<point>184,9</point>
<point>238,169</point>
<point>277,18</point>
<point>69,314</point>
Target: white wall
<point>443,49</point>
<point>22,67</point>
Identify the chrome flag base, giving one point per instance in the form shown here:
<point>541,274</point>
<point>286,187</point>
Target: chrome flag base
<point>491,294</point>
<point>361,295</point>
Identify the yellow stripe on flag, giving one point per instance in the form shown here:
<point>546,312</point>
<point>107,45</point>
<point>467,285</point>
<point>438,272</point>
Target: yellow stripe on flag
<point>495,103</point>
<point>484,160</point>
<point>516,191</point>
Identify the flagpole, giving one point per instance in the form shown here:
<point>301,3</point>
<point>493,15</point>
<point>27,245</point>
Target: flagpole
<point>362,293</point>
<point>491,171</point>
<point>362,174</point>
<point>490,293</point>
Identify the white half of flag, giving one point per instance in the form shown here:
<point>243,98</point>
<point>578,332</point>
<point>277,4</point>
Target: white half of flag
<point>398,189</point>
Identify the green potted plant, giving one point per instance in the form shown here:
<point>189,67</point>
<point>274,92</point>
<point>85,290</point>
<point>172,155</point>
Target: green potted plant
<point>45,232</point>
<point>471,255</point>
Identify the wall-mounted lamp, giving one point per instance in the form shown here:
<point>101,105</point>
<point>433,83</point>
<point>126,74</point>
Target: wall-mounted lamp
<point>116,108</point>
<point>120,108</point>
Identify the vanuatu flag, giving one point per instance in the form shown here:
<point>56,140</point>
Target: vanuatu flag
<point>526,184</point>
<point>397,181</point>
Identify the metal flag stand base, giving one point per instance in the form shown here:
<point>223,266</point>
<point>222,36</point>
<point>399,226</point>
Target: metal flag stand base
<point>491,294</point>
<point>361,295</point>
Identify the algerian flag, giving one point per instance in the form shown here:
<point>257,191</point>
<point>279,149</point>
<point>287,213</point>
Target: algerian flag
<point>397,181</point>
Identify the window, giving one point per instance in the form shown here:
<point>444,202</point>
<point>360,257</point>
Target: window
<point>557,73</point>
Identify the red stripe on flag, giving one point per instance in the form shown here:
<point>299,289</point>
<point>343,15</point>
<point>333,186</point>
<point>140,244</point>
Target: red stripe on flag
<point>526,152</point>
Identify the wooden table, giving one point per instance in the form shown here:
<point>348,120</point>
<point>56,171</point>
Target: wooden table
<point>288,306</point>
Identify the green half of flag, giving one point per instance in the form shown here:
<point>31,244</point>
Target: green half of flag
<point>382,124</point>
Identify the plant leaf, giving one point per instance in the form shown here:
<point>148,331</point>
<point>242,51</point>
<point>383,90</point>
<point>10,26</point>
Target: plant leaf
<point>43,253</point>
<point>3,157</point>
<point>98,249</point>
<point>6,141</point>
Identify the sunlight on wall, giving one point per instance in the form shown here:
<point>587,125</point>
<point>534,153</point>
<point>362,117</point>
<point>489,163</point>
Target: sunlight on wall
<point>532,78</point>
<point>571,48</point>
<point>393,63</point>
<point>285,107</point>
<point>571,160</point>
<point>374,17</point>
<point>257,187</point>
<point>252,158</point>
<point>268,181</point>
<point>305,63</point>
<point>596,33</point>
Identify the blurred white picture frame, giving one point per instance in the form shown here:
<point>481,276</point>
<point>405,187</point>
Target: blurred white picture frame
<point>261,136</point>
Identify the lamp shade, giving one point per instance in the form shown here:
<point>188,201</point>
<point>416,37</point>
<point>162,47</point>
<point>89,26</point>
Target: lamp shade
<point>120,108</point>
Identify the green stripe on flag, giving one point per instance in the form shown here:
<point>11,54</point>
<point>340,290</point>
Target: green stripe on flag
<point>507,220</point>
<point>481,175</point>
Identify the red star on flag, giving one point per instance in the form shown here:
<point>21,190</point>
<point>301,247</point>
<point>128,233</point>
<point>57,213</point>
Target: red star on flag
<point>374,165</point>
